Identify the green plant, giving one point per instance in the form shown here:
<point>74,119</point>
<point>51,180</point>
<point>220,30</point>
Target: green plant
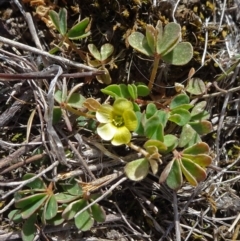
<point>85,220</point>
<point>76,199</point>
<point>191,162</point>
<point>157,126</point>
<point>39,203</point>
<point>38,200</point>
<point>118,120</point>
<point>78,31</point>
<point>102,58</point>
<point>71,102</point>
<point>162,44</point>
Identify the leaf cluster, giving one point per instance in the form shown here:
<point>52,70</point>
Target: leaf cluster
<point>102,58</point>
<point>165,43</point>
<point>153,124</point>
<point>78,31</point>
<point>39,203</point>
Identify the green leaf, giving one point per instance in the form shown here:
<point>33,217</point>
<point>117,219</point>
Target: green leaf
<point>15,216</point>
<point>201,116</point>
<point>32,208</point>
<point>172,175</point>
<point>186,135</point>
<point>170,38</point>
<point>180,116</point>
<point>142,90</point>
<point>63,21</point>
<point>79,30</point>
<point>112,90</point>
<point>198,112</point>
<point>58,96</point>
<point>158,134</point>
<point>29,229</point>
<point>76,100</point>
<point>193,172</point>
<point>198,108</point>
<point>198,148</point>
<point>106,51</point>
<point>196,139</point>
<point>201,127</point>
<point>159,29</point>
<point>151,37</point>
<point>202,160</point>
<point>55,49</point>
<point>124,91</point>
<point>57,220</point>
<point>29,200</point>
<point>73,208</point>
<point>84,221</point>
<point>57,114</point>
<point>171,142</point>
<point>151,110</point>
<point>163,117</point>
<point>72,187</point>
<point>65,198</point>
<point>151,126</point>
<point>98,213</point>
<point>50,208</point>
<point>136,107</point>
<point>196,86</point>
<point>36,184</point>
<point>189,177</point>
<point>94,51</point>
<point>137,170</point>
<point>180,99</point>
<point>139,130</point>
<point>139,42</point>
<point>159,144</point>
<point>55,19</point>
<point>132,89</point>
<point>184,107</point>
<point>94,196</point>
<point>174,179</point>
<point>180,55</point>
<point>104,78</point>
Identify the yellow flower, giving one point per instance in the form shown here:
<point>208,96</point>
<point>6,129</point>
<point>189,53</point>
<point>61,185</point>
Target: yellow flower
<point>116,121</point>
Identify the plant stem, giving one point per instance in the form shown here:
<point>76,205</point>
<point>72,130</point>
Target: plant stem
<point>138,149</point>
<point>157,58</point>
<point>77,112</point>
<point>74,47</point>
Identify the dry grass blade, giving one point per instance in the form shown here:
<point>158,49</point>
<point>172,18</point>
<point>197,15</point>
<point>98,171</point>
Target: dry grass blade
<point>46,54</point>
<point>55,142</point>
<point>29,124</point>
<point>89,187</point>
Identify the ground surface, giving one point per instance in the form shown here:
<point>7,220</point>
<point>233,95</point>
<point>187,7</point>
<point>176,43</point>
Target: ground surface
<point>135,211</point>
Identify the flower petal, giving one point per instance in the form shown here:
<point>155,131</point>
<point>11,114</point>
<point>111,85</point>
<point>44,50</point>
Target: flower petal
<point>122,136</point>
<point>130,119</point>
<point>104,113</point>
<point>106,131</point>
<point>120,105</point>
